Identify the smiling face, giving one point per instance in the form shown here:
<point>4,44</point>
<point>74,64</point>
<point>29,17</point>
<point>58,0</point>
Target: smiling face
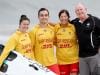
<point>64,18</point>
<point>81,11</point>
<point>24,25</point>
<point>43,16</point>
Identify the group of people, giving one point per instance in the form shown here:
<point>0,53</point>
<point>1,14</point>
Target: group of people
<point>77,42</point>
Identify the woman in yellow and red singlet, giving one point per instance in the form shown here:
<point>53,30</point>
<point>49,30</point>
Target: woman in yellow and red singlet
<point>19,41</point>
<point>67,46</point>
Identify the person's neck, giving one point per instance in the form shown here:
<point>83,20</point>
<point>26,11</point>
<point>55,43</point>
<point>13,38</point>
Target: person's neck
<point>43,25</point>
<point>83,19</point>
<point>64,25</point>
<point>22,31</point>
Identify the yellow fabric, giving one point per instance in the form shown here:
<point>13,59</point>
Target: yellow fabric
<point>67,46</point>
<point>21,43</point>
<point>42,39</point>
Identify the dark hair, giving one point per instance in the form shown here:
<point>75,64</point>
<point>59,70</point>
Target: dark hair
<point>42,9</point>
<point>23,17</point>
<point>64,11</point>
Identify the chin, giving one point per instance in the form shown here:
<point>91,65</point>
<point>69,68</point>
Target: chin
<point>82,16</point>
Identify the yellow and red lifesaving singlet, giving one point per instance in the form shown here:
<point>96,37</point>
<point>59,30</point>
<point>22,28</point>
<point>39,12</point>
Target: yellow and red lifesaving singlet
<point>20,42</point>
<point>42,39</point>
<point>67,46</point>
